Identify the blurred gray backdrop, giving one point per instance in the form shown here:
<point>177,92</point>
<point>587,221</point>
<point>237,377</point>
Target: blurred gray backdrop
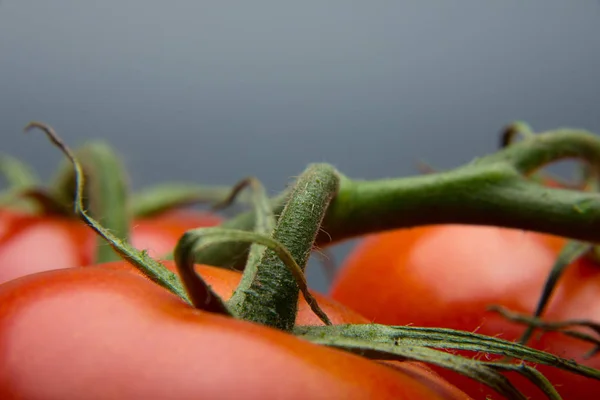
<point>211,91</point>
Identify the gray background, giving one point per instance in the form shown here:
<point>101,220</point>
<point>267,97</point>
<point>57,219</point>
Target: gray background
<point>212,91</point>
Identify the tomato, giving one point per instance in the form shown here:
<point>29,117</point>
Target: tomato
<point>225,281</point>
<point>447,276</point>
<point>105,333</point>
<point>30,243</point>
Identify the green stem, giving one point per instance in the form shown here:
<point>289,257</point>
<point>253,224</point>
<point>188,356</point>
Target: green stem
<point>539,150</point>
<point>202,238</point>
<point>491,190</point>
<point>107,192</point>
<point>233,255</point>
<point>154,200</point>
<point>272,298</point>
<point>492,194</point>
<point>265,223</point>
<point>151,268</point>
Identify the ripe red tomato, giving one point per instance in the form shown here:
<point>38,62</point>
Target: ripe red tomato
<point>30,243</point>
<point>447,276</point>
<point>101,333</point>
<point>225,281</point>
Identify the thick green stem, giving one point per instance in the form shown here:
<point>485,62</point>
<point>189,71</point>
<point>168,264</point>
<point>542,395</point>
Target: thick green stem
<point>492,190</point>
<point>272,298</point>
<point>485,195</point>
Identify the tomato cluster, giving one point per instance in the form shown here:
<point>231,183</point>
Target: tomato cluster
<point>74,328</point>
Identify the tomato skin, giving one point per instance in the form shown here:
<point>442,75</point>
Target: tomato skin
<point>104,333</point>
<point>447,276</point>
<point>30,243</point>
<point>224,282</point>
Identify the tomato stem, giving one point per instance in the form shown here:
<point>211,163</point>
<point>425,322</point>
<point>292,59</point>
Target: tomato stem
<point>200,293</point>
<point>265,223</point>
<point>157,199</point>
<point>107,192</point>
<point>151,268</point>
<point>234,254</point>
<point>272,297</point>
<point>491,190</point>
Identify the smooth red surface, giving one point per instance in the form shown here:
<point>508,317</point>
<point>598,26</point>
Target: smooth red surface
<point>31,243</point>
<point>446,276</point>
<point>106,333</point>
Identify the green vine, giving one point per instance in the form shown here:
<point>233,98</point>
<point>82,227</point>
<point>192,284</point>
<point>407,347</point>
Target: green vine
<point>154,200</point>
<point>107,194</point>
<point>271,298</point>
<point>491,190</point>
<point>323,206</point>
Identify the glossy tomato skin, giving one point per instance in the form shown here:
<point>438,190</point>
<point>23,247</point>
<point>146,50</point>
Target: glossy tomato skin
<point>224,283</point>
<point>447,276</point>
<point>102,333</point>
<point>30,243</point>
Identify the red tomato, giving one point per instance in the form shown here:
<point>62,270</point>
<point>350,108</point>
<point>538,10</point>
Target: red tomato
<point>100,333</point>
<point>30,243</point>
<point>224,282</point>
<point>446,276</point>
